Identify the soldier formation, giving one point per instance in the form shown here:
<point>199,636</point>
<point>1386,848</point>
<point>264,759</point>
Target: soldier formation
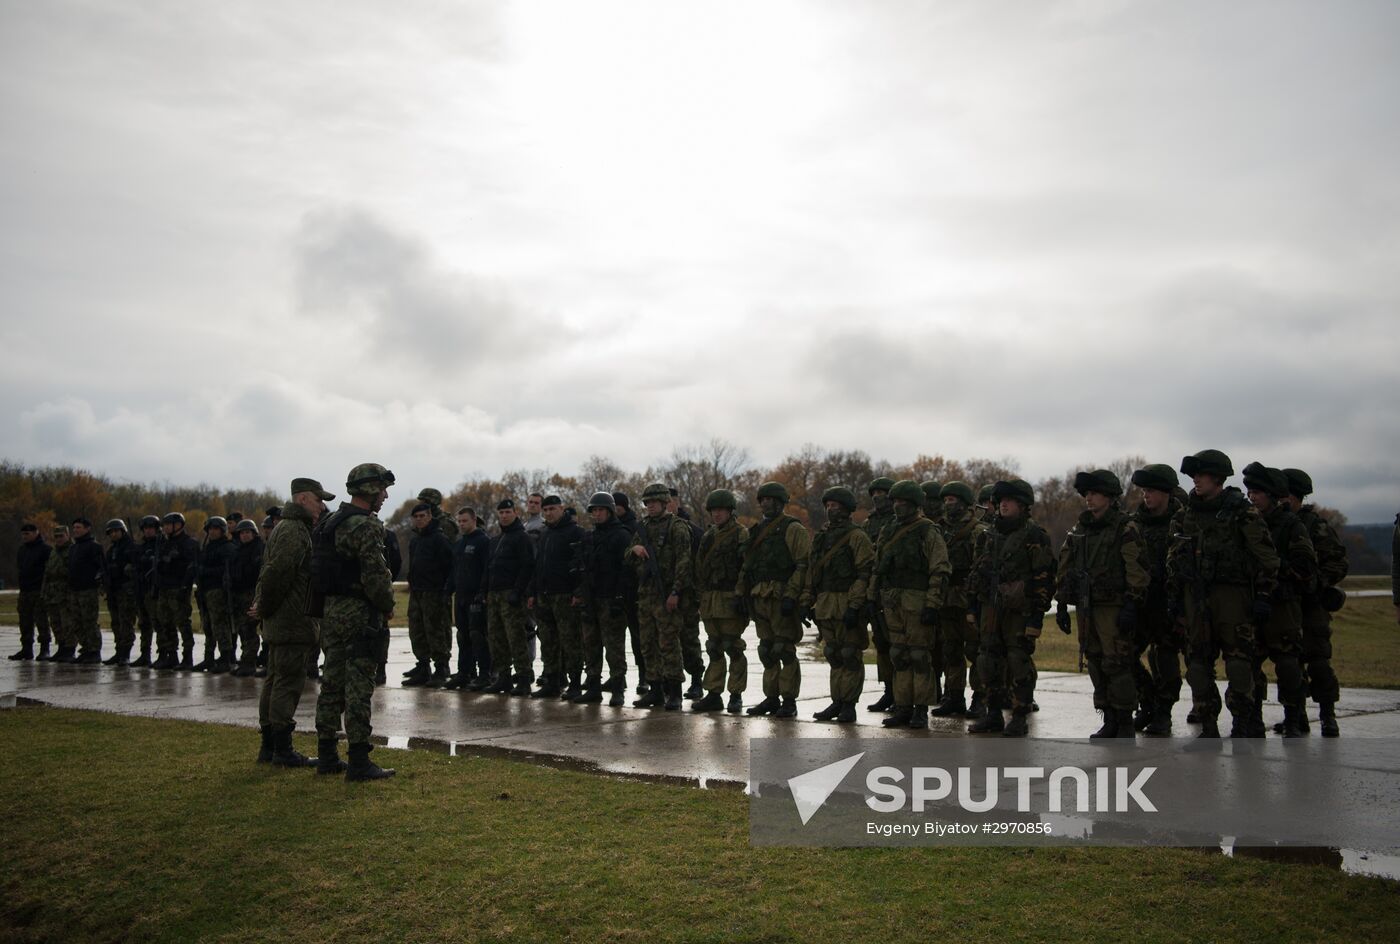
<point>953,586</point>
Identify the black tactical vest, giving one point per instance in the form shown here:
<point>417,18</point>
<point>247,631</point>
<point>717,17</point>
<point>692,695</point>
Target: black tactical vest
<point>770,559</point>
<point>903,563</point>
<point>332,574</point>
<point>838,571</point>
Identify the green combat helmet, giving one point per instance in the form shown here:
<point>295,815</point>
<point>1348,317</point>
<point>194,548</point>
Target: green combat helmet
<point>1208,462</point>
<point>1158,476</point>
<point>1299,482</point>
<point>602,500</point>
<point>774,490</point>
<point>1100,480</point>
<point>959,490</point>
<point>909,491</point>
<point>931,491</point>
<point>882,484</point>
<point>1018,489</point>
<point>367,478</point>
<point>430,496</point>
<point>721,498</point>
<point>1260,478</point>
<point>842,495</point>
<point>984,494</point>
<point>656,492</point>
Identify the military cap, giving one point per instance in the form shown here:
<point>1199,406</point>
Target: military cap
<point>907,490</point>
<point>430,495</point>
<point>234,517</point>
<point>620,500</point>
<point>505,503</point>
<point>774,490</point>
<point>245,524</point>
<point>1299,482</point>
<point>173,517</point>
<point>1018,489</point>
<point>721,498</point>
<point>367,478</point>
<point>1100,480</point>
<point>655,492</point>
<point>1260,478</point>
<point>217,521</point>
<point>882,484</point>
<point>551,500</point>
<point>602,500</point>
<point>842,495</point>
<point>984,494</point>
<point>1160,476</point>
<point>308,485</point>
<point>959,490</point>
<point>116,524</point>
<point>1208,462</point>
<point>276,510</point>
<point>82,520</point>
<point>269,522</point>
<point>60,530</point>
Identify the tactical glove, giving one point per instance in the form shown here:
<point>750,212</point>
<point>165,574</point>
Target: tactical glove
<point>1062,617</point>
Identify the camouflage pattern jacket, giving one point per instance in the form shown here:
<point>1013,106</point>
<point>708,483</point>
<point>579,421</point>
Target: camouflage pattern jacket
<point>669,537</point>
<point>1332,564</point>
<point>1221,540</point>
<point>1103,562</point>
<point>1297,569</point>
<point>1014,567</point>
<point>284,581</point>
<point>839,570</point>
<point>961,534</point>
<point>717,568</point>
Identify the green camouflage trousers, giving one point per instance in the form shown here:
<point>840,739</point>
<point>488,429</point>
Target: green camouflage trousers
<point>125,608</point>
<point>880,634</point>
<point>173,624</point>
<point>778,636</point>
<point>84,608</point>
<point>911,651</point>
<point>560,632</point>
<point>604,630</point>
<point>1281,641</point>
<point>430,625</point>
<point>246,627</point>
<point>217,617</point>
<point>1317,654</point>
<point>33,615</point>
<point>661,637</point>
<point>150,619</point>
<point>281,690</point>
<point>350,638</point>
<point>1223,627</point>
<point>1110,656</point>
<point>506,637</point>
<point>1005,658</point>
<point>957,639</point>
<point>724,643</point>
<point>1160,683</point>
<point>844,650</point>
<point>58,608</point>
<point>692,657</point>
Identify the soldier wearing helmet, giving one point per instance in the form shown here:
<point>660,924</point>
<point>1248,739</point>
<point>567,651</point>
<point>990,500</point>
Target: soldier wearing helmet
<point>217,611</point>
<point>123,594</point>
<point>147,561</point>
<point>716,573</point>
<point>881,514</point>
<point>175,572</point>
<point>661,557</point>
<point>837,588</point>
<point>962,527</point>
<point>1159,687</point>
<point>605,583</point>
<point>773,570</point>
<point>243,581</point>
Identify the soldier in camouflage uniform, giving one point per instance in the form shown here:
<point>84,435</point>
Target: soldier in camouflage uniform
<point>1279,637</point>
<point>605,586</point>
<point>881,514</point>
<point>1159,686</point>
<point>692,655</point>
<point>280,600</point>
<point>985,503</point>
<point>179,555</point>
<point>911,579</point>
<point>1102,573</point>
<point>123,597</point>
<point>835,595</point>
<point>1014,574</point>
<point>147,562</point>
<point>85,567</point>
<point>962,528</point>
<point>725,616</point>
<point>771,575</point>
<point>933,502</point>
<point>660,554</point>
<point>243,582</point>
<point>1221,571</point>
<point>1319,606</point>
<point>217,610</point>
<point>446,524</point>
<point>349,571</point>
<point>57,596</point>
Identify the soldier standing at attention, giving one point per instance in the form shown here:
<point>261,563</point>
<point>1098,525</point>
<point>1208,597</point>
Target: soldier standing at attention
<point>1014,572</point>
<point>429,599</point>
<point>471,555</point>
<point>147,563</point>
<point>242,583</point>
<point>957,629</point>
<point>1102,572</point>
<point>660,555</point>
<point>604,616</point>
<point>1221,571</point>
<point>837,590</point>
<point>716,573</point>
<point>85,566</point>
<point>281,599</point>
<point>771,576</point>
<point>58,597</point>
<point>179,555</point>
<point>348,568</point>
<point>555,586</point>
<point>881,514</point>
<point>1319,606</point>
<point>1158,633</point>
<point>1279,635</point>
<point>628,519</point>
<point>508,579</point>
<point>213,585</point>
<point>692,655</point>
<point>32,555</point>
<point>123,598</point>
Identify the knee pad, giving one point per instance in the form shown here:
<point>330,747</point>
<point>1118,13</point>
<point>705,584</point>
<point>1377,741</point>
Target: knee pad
<point>714,646</point>
<point>832,654</point>
<point>734,645</point>
<point>765,651</point>
<point>899,658</point>
<point>852,659</point>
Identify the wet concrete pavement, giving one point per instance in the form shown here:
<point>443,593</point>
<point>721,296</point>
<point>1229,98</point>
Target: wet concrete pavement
<point>708,748</point>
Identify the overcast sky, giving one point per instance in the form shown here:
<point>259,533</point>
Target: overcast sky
<point>243,241</point>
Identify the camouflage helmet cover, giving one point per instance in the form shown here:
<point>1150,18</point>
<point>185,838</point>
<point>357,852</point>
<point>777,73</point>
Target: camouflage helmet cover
<point>1018,489</point>
<point>1159,476</point>
<point>721,498</point>
<point>1208,462</point>
<point>656,492</point>
<point>245,524</point>
<point>367,479</point>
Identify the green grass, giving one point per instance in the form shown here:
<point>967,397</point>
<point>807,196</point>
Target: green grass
<point>130,828</point>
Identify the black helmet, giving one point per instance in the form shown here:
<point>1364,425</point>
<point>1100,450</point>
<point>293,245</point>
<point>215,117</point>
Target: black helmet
<point>218,521</point>
<point>245,524</point>
<point>174,517</point>
<point>116,524</point>
<point>150,521</point>
<point>602,500</point>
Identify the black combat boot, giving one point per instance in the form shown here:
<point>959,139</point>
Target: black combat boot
<point>1301,721</point>
<point>202,665</point>
<point>829,712</point>
<point>89,657</point>
<point>522,685</point>
<point>1240,725</point>
<point>1290,727</point>
<point>673,695</point>
<point>265,751</point>
<point>573,691</point>
<point>1161,723</point>
<point>549,686</point>
<point>592,692</point>
<point>163,661</point>
<point>899,716</point>
<point>1142,717</point>
<point>25,654</point>
<point>1256,720</point>
<point>1327,720</point>
<point>847,715</point>
<point>219,667</point>
<point>500,685</point>
<point>919,717</point>
<point>1127,727</point>
<point>885,702</point>
<point>711,702</point>
<point>63,655</point>
<point>380,677</point>
<point>110,660</point>
<point>314,673</point>
<point>1210,728</point>
<point>362,768</point>
<point>187,663</point>
<point>950,707</point>
<point>1110,724</point>
<point>736,703</point>
<point>696,690</point>
<point>328,758</point>
<point>617,691</point>
<point>283,754</point>
<point>991,721</point>
<point>418,676</point>
<point>455,681</point>
<point>439,676</point>
<point>978,708</point>
<point>655,697</point>
<point>788,709</point>
<point>1193,716</point>
<point>1019,725</point>
<point>44,655</point>
<point>145,661</point>
<point>769,705</point>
